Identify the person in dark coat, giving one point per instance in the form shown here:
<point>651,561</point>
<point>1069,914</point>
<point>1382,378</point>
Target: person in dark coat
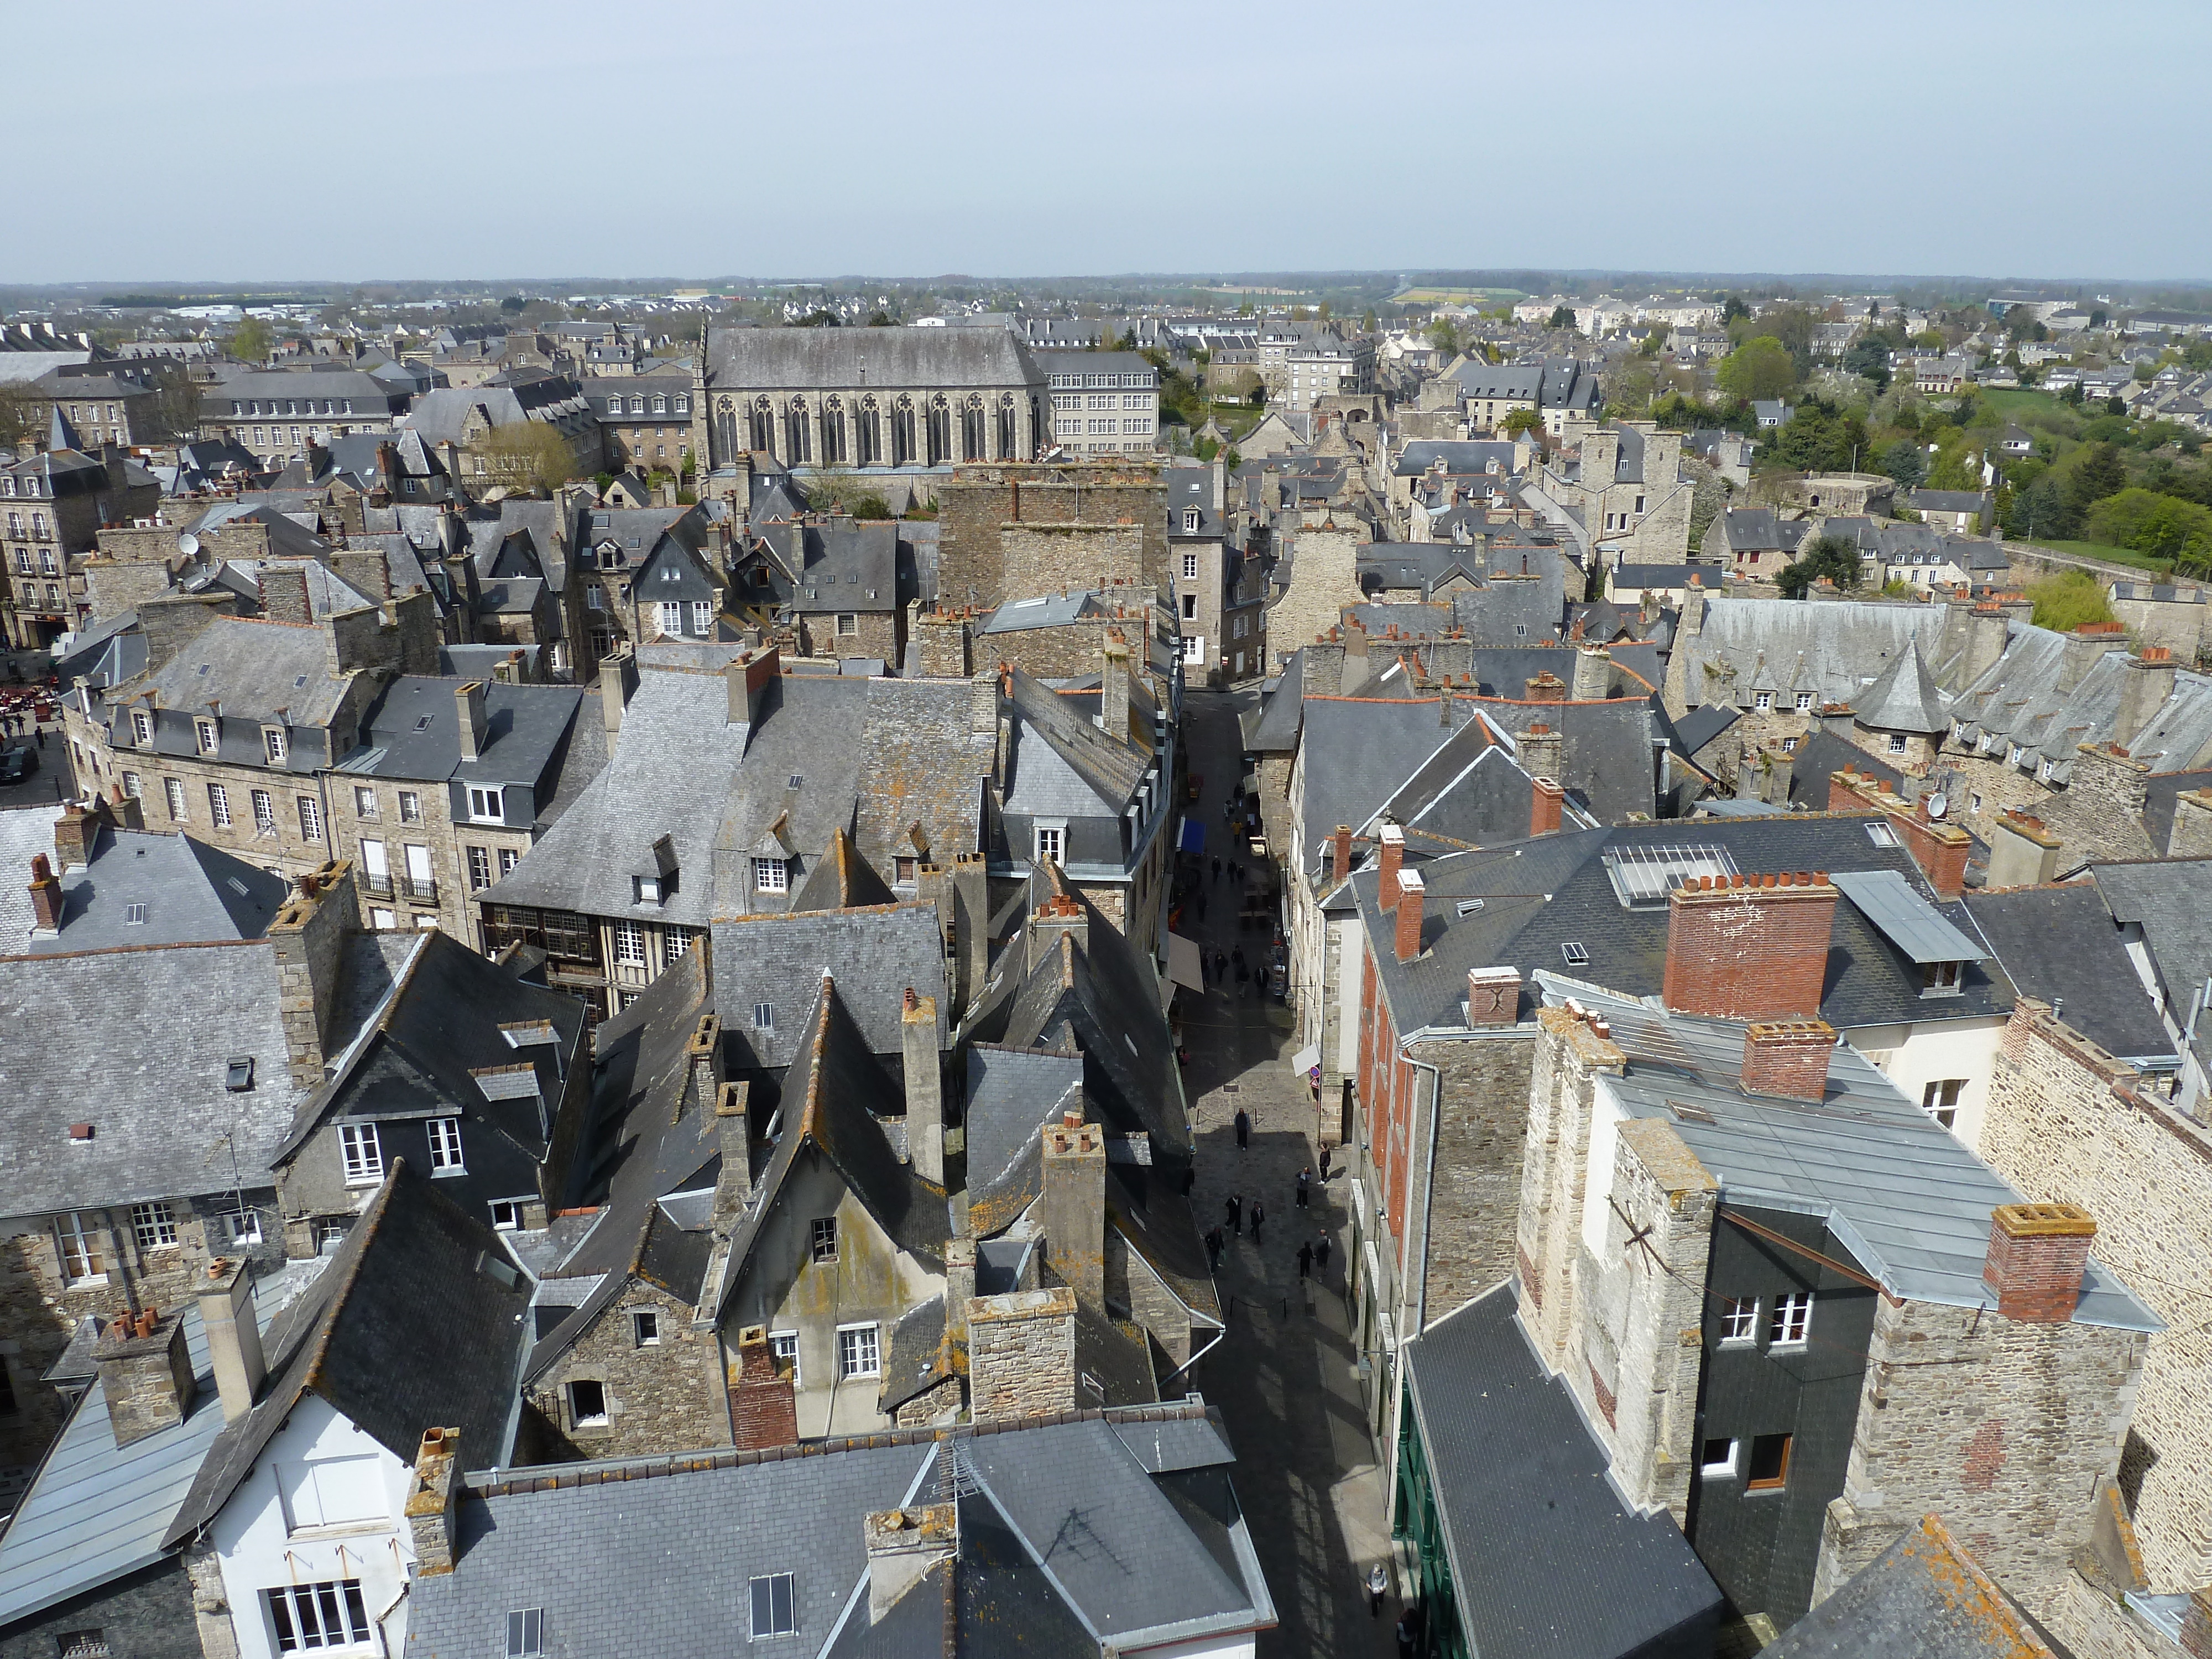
<point>1320,1254</point>
<point>1306,1261</point>
<point>1214,1246</point>
<point>1235,1210</point>
<point>1259,1215</point>
<point>1305,1181</point>
<point>1217,869</point>
<point>1244,1119</point>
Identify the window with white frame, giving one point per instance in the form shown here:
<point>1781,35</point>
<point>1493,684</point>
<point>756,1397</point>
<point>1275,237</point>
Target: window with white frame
<point>822,1242</point>
<point>264,812</point>
<point>526,1633</point>
<point>446,1145</point>
<point>209,735</point>
<point>783,1349</point>
<point>153,1224</point>
<point>76,1241</point>
<point>672,616</point>
<point>702,618</point>
<point>1804,700</point>
<point>1190,567</point>
<point>1897,743</point>
<point>1940,1099</point>
<point>133,786</point>
<point>219,805</point>
<point>858,1353</point>
<point>587,1404</point>
<point>361,1154</point>
<point>645,1326</point>
<point>174,789</point>
<point>364,801</point>
<point>629,944</point>
<point>142,728</point>
<point>310,819</point>
<point>849,622</point>
<point>319,1617</point>
<point>775,1611</point>
<point>771,876</point>
<point>1739,1319</point>
<point>410,807</point>
<point>241,1226</point>
<point>272,739</point>
<point>487,806</point>
<point>506,1215</point>
<point>1793,1317</point>
<point>1717,1460</point>
<point>1763,700</point>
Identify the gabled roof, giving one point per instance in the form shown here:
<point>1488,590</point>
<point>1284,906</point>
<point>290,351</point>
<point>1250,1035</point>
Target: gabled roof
<point>850,358</point>
<point>365,1338</point>
<point>1903,698</point>
<point>2060,945</point>
<point>1923,1595</point>
<point>842,879</point>
<point>1110,768</point>
<point>778,959</point>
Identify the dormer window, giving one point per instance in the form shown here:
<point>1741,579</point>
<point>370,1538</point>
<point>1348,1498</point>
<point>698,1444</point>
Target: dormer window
<point>1939,979</point>
<point>272,737</point>
<point>771,876</point>
<point>207,735</point>
<point>647,890</point>
<point>1190,521</point>
<point>486,805</point>
<point>142,728</point>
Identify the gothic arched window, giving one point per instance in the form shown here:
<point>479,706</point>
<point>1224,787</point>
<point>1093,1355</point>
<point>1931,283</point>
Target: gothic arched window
<point>763,436</point>
<point>903,449</point>
<point>941,431</point>
<point>726,430</point>
<point>796,432</point>
<point>833,432</point>
<point>868,438</point>
<point>971,430</point>
<point>1006,426</point>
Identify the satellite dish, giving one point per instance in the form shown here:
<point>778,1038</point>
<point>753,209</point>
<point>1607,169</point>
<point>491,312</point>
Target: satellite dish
<point>188,544</point>
<point>1937,806</point>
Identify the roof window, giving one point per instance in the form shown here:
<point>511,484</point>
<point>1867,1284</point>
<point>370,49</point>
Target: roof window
<point>1642,875</point>
<point>238,1074</point>
<point>1576,956</point>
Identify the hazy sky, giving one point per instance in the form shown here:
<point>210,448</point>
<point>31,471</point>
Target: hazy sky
<point>469,139</point>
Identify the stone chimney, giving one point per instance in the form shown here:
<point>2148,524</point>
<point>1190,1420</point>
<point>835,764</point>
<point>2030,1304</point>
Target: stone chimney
<point>1546,806</point>
<point>1412,895</point>
<point>617,684</point>
<point>308,936</point>
<point>734,1187</point>
<point>1544,686</point>
<point>470,718</point>
<point>1986,628</point>
<point>971,923</point>
<point>284,595</point>
<point>432,1493</point>
<point>2108,787</point>
<point>748,676</point>
<point>1114,686</point>
<point>2143,691</point>
<point>763,1402</point>
<point>145,1374</point>
<point>983,703</point>
<point>1593,674</point>
<point>234,1336</point>
<point>903,1545</point>
<point>1072,1206</point>
<point>2023,852</point>
<point>2191,834</point>
<point>76,832</point>
<point>1781,767</point>
<point>1341,853</point>
<point>1021,1354</point>
<point>920,1055</point>
<point>2037,1253</point>
<point>1789,1058</point>
<point>703,1054</point>
<point>2082,649</point>
<point>1541,751</point>
<point>1493,996</point>
<point>1749,947</point>
<point>46,897</point>
<point>1392,861</point>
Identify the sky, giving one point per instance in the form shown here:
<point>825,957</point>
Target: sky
<point>232,142</point>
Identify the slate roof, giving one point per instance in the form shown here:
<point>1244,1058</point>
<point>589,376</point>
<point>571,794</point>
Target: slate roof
<point>183,891</point>
<point>847,567</point>
<point>1095,768</point>
<point>2024,699</point>
<point>1833,649</point>
<point>1460,457</point>
<point>254,669</point>
<point>1546,1562</point>
<point>2165,899</point>
<point>1701,725</point>
<point>780,958</point>
<point>1923,1595</point>
<point>849,358</point>
<point>1903,698</point>
<point>359,1338</point>
<point>1544,893</point>
<point>1949,500</point>
<point>152,1085</point>
<point>1749,527</point>
<point>1131,1514</point>
<point>2059,944</point>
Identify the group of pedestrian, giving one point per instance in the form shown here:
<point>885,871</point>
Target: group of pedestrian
<point>1236,871</point>
<point>1313,1257</point>
<point>1312,1254</point>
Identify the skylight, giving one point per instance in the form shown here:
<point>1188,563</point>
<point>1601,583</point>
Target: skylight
<point>1643,873</point>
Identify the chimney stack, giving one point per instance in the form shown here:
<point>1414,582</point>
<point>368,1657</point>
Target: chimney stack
<point>734,1187</point>
<point>1541,751</point>
<point>1789,1058</point>
<point>2037,1253</point>
<point>748,676</point>
<point>2023,852</point>
<point>1411,893</point>
<point>1547,805</point>
<point>1340,858</point>
<point>308,936</point>
<point>921,1058</point>
<point>903,1547</point>
<point>45,895</point>
<point>1114,686</point>
<point>468,712</point>
<point>234,1336</point>
<point>763,1403</point>
<point>76,831</point>
<point>1493,996</point>
<point>1544,686</point>
<point>1021,1354</point>
<point>145,1374</point>
<point>617,681</point>
<point>432,1493</point>
<point>703,1053</point>
<point>1749,947</point>
<point>1593,680</point>
<point>1072,1206</point>
<point>1394,858</point>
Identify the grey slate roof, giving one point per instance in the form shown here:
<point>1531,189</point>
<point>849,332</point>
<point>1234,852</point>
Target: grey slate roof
<point>361,1340</point>
<point>1909,1198</point>
<point>526,731</point>
<point>2165,899</point>
<point>1701,725</point>
<point>2060,944</point>
<point>2024,699</point>
<point>1832,649</point>
<point>152,1084</point>
<point>778,958</point>
<point>849,358</point>
<point>1546,1562</point>
<point>1923,1595</point>
<point>25,832</point>
<point>1903,698</point>
<point>184,892</point>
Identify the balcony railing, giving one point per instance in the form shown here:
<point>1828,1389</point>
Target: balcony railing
<point>420,887</point>
<point>379,886</point>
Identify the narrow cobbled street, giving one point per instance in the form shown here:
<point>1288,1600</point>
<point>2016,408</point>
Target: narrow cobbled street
<point>1283,1376</point>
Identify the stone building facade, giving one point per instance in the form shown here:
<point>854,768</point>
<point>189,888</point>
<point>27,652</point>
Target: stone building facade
<point>645,420</point>
<point>52,505</point>
<point>1015,531</point>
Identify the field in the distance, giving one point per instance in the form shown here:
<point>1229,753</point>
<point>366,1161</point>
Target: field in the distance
<point>1455,296</point>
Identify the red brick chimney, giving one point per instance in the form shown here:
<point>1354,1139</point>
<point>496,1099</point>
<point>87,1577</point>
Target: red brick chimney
<point>1411,891</point>
<point>1545,804</point>
<point>763,1406</point>
<point>2036,1256</point>
<point>1544,686</point>
<point>45,895</point>
<point>1749,947</point>
<point>1789,1058</point>
<point>1342,845</point>
<point>1493,996</point>
<point>1393,857</point>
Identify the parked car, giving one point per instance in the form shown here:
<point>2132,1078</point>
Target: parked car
<point>17,763</point>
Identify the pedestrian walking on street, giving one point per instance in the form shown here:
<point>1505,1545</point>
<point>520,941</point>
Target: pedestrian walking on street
<point>1243,1130</point>
<point>1237,955</point>
<point>1324,1163</point>
<point>1221,966</point>
<point>1321,1254</point>
<point>1259,1215</point>
<point>1378,1586</point>
<point>1234,1206</point>
<point>1306,1261</point>
<point>1305,1180</point>
<point>1406,1639</point>
<point>1214,1246</point>
<point>1217,869</point>
<point>42,736</point>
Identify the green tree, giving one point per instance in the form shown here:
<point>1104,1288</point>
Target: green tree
<point>881,319</point>
<point>1869,358</point>
<point>820,317</point>
<point>1444,335</point>
<point>1128,339</point>
<point>1733,307</point>
<point>251,341</point>
<point>513,305</point>
<point>1905,462</point>
<point>1832,556</point>
<point>1562,317</point>
<point>1520,420</point>
<point>2098,473</point>
<point>1759,369</point>
<point>2044,509</point>
<point>2164,527</point>
<point>2065,601</point>
<point>527,455</point>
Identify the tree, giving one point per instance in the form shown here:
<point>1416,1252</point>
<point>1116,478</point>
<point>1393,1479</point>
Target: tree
<point>1444,335</point>
<point>526,455</point>
<point>2164,527</point>
<point>1905,462</point>
<point>1929,339</point>
<point>1833,557</point>
<point>2098,474</point>
<point>1759,369</point>
<point>1562,317</point>
<point>820,317</point>
<point>1128,339</point>
<point>513,305</point>
<point>837,488</point>
<point>2044,508</point>
<point>1869,358</point>
<point>1733,307</point>
<point>176,400</point>
<point>881,319</point>
<point>2065,601</point>
<point>1520,420</point>
<point>250,342</point>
